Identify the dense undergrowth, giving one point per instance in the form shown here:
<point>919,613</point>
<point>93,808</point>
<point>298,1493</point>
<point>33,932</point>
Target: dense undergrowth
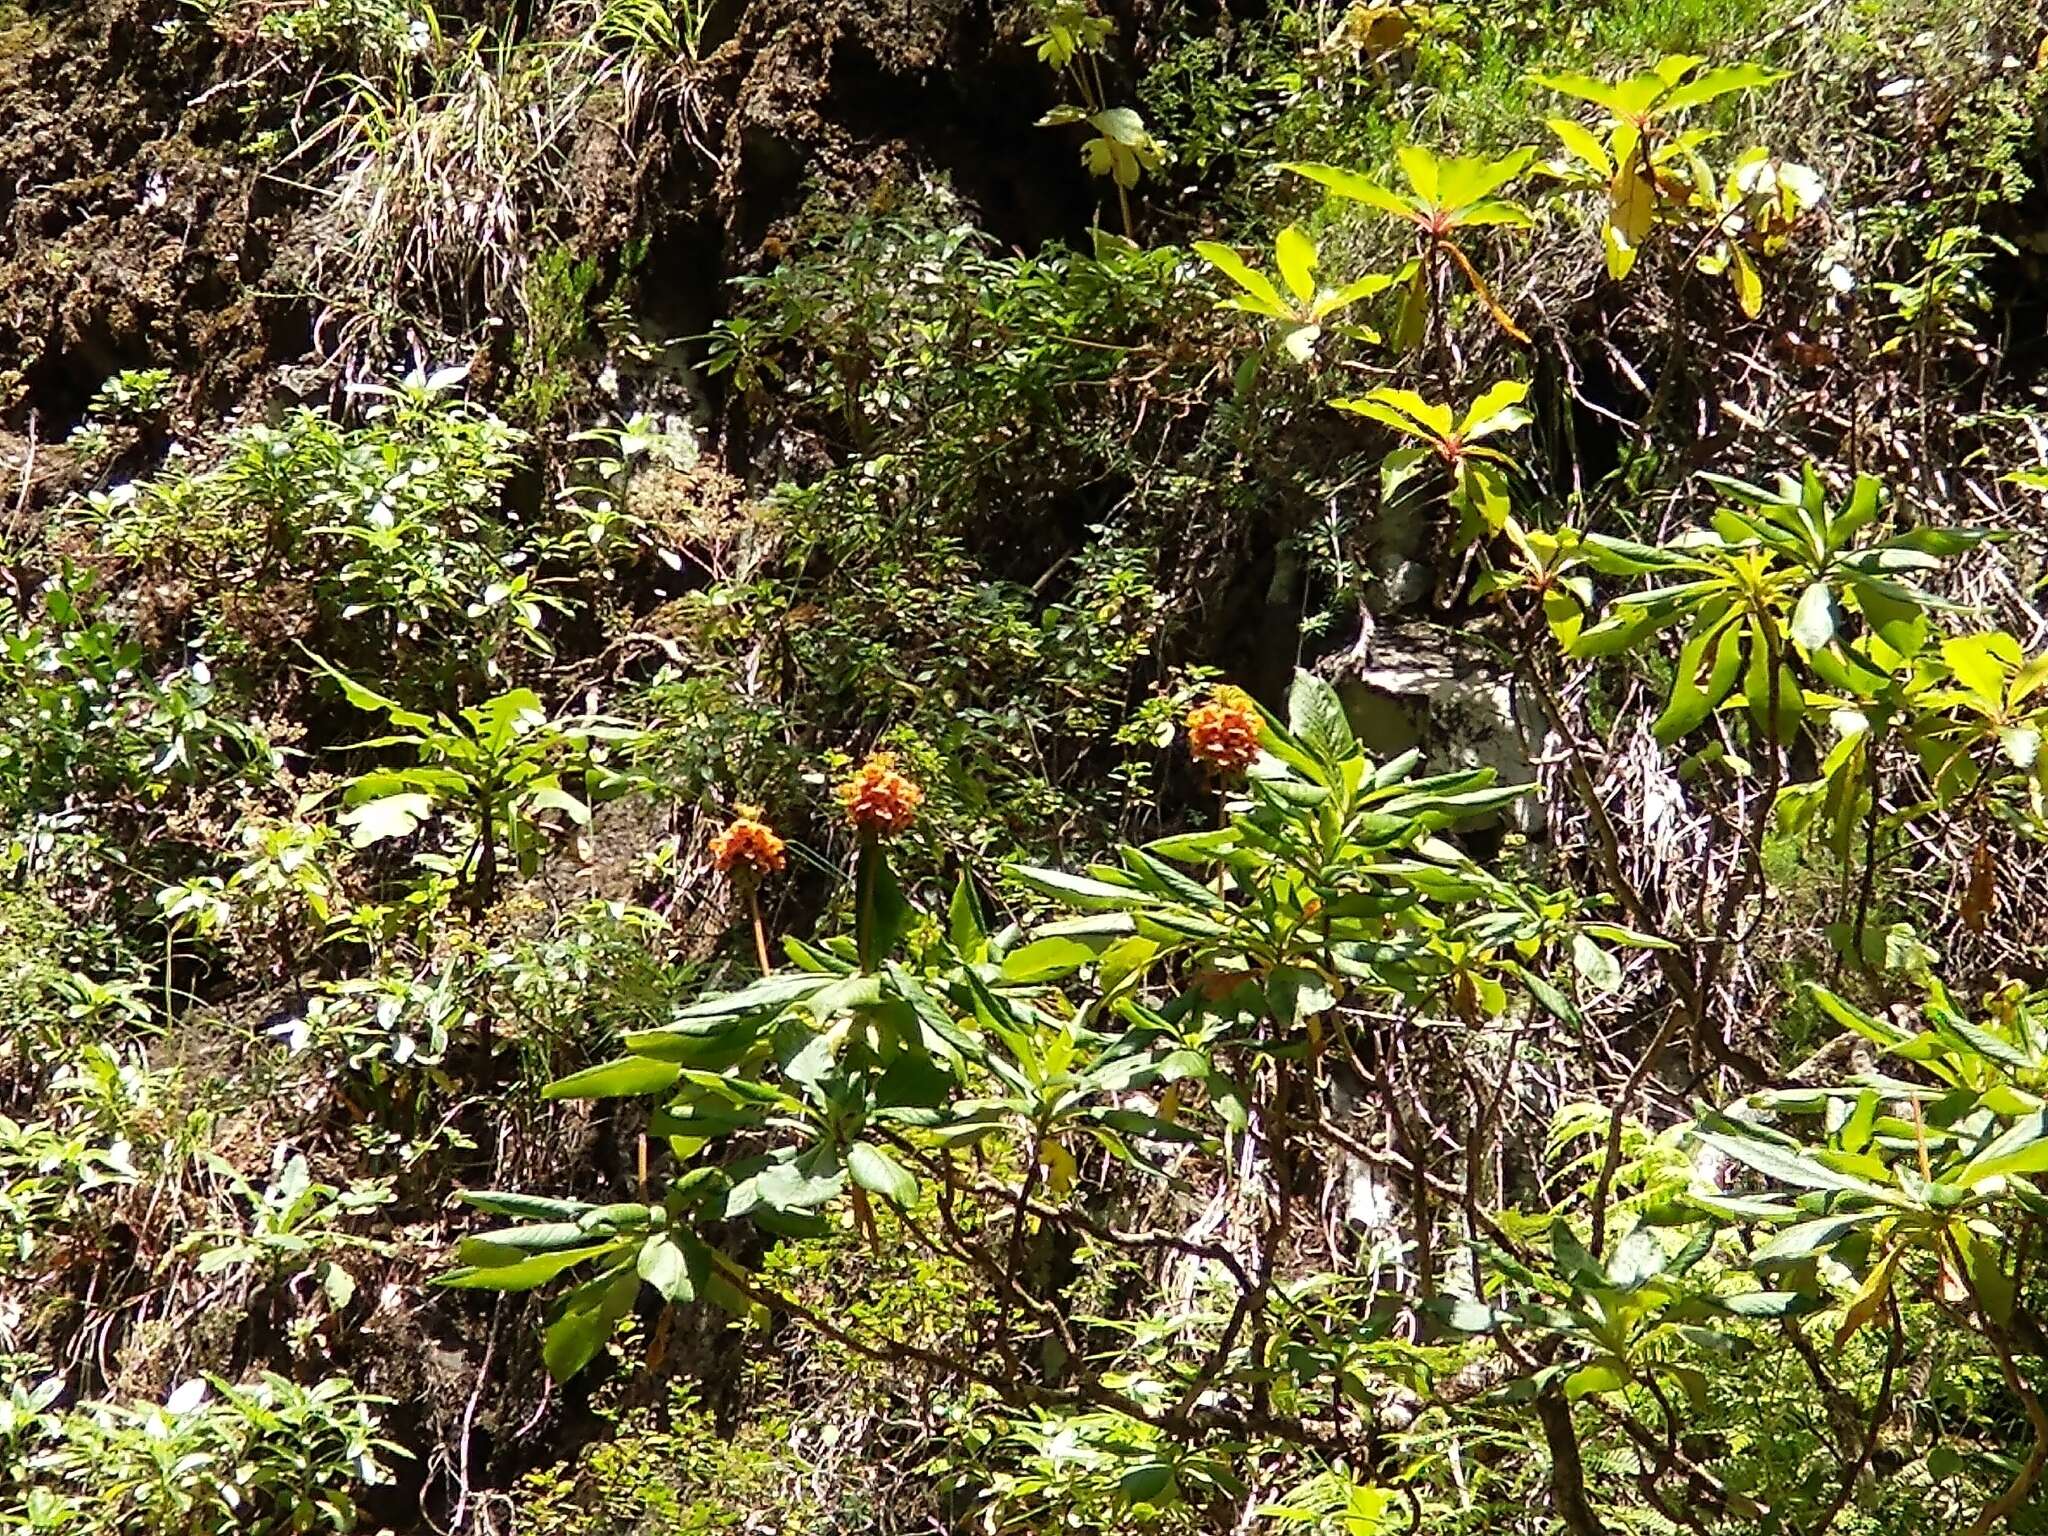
<point>1159,768</point>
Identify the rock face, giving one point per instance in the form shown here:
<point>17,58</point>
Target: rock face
<point>1425,687</point>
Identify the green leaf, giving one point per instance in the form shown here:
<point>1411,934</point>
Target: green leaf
<point>789,1186</point>
<point>391,816</point>
<point>1585,87</point>
<point>507,1245</point>
<point>1640,1257</point>
<point>1601,1376</point>
<point>1090,895</point>
<point>964,923</point>
<point>1597,968</point>
<point>1481,489</point>
<point>1295,254</point>
<point>1714,83</point>
<point>589,1315</point>
<point>1316,718</point>
<point>671,1267</point>
<point>1791,1167</point>
<point>1573,1259</point>
<point>1806,1238</point>
<point>523,1274</point>
<point>1582,142</point>
<point>875,1170</point>
<point>368,699</point>
<point>524,1207</point>
<point>1146,1483</point>
<point>1994,1287</point>
<point>2022,1148</point>
<point>1295,993</point>
<point>1046,960</point>
<point>1249,278</point>
<point>1767,1304</point>
<point>627,1076</point>
<point>1497,410</point>
<point>1122,124</point>
<point>1351,184</point>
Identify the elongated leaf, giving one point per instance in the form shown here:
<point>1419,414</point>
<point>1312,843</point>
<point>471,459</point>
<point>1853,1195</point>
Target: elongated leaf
<point>1588,1380</point>
<point>1358,188</point>
<point>2022,1148</point>
<point>1805,1238</point>
<point>627,1076</point>
<point>1711,84</point>
<point>523,1274</point>
<point>1080,890</point>
<point>524,1207</point>
<point>1790,1167</point>
<point>507,1245</point>
<point>1046,960</point>
<point>1249,278</point>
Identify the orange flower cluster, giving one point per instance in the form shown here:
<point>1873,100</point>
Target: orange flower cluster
<point>1224,733</point>
<point>878,799</point>
<point>748,843</point>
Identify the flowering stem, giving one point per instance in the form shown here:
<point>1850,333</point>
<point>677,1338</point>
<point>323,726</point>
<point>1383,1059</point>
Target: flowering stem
<point>1222,821</point>
<point>760,929</point>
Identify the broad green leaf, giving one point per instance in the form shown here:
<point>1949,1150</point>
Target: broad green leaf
<point>1981,663</point>
<point>1806,1238</point>
<point>1464,182</point>
<point>1482,492</point>
<point>1573,1259</point>
<point>793,1186</point>
<point>1497,410</point>
<point>589,1315</point>
<point>1598,969</point>
<point>1316,718</point>
<point>1585,87</point>
<point>1046,960</point>
<point>1401,409</point>
<point>1295,255</point>
<point>1639,1258</point>
<point>1583,143</point>
<point>1250,279</point>
<point>389,817</point>
<point>1601,1376</point>
<point>667,1265</point>
<point>1421,168</point>
<point>2022,1148</point>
